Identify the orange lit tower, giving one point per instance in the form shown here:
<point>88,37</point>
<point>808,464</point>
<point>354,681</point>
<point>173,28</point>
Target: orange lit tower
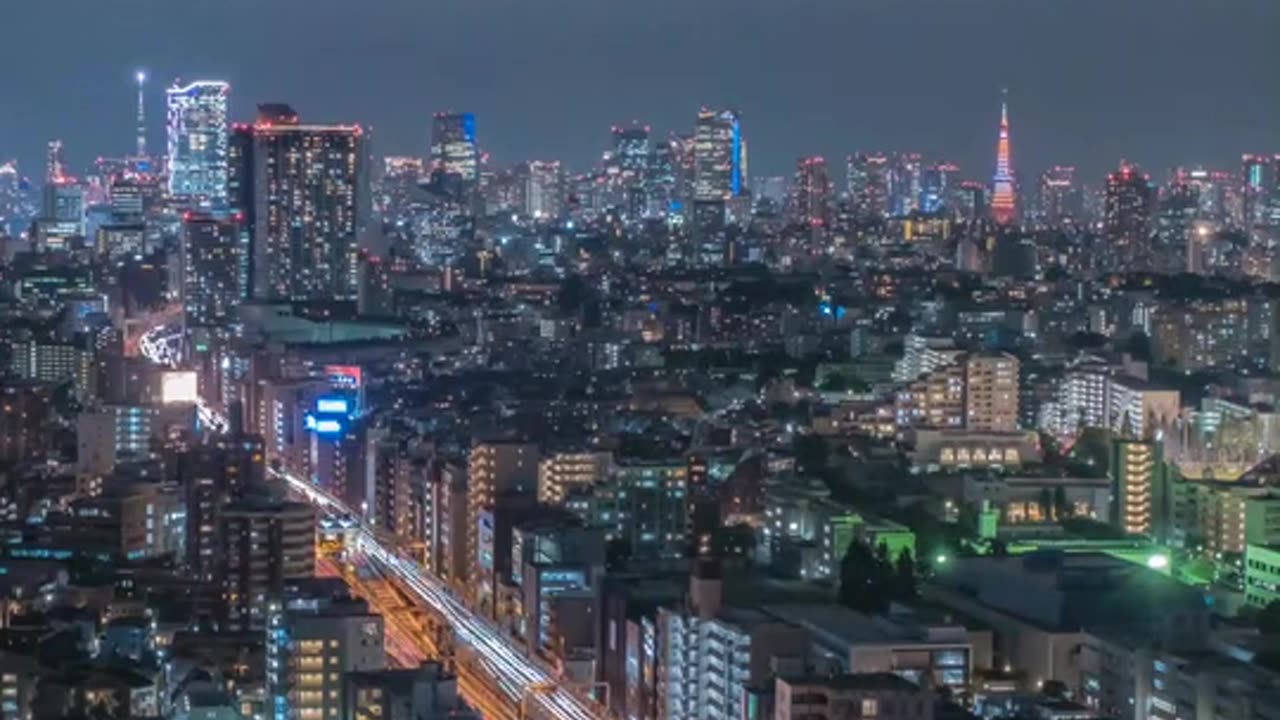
<point>1004,203</point>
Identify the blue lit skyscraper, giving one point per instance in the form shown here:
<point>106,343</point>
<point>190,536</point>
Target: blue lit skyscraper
<point>197,134</point>
<point>719,155</point>
<point>935,187</point>
<point>904,184</point>
<point>453,146</point>
<point>1260,206</point>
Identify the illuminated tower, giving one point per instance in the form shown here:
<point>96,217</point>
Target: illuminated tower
<point>718,156</point>
<point>1128,203</point>
<point>198,142</point>
<point>141,78</point>
<point>1004,205</point>
<point>811,193</point>
<point>453,146</point>
<point>867,178</point>
<point>55,167</point>
<point>210,270</point>
<point>300,184</point>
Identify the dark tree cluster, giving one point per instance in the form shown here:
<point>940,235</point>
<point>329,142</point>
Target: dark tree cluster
<point>870,580</point>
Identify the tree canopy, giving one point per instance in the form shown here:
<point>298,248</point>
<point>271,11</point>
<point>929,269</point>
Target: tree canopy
<point>870,580</point>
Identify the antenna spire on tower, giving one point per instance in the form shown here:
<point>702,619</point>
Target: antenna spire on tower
<point>141,78</point>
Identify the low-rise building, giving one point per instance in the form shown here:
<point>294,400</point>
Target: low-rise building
<point>1261,575</point>
<point>882,696</point>
<point>1041,605</point>
<point>933,654</point>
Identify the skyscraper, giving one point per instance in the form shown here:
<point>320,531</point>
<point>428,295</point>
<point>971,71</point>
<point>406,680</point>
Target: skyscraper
<point>16,206</point>
<point>630,167</point>
<point>991,393</point>
<point>904,184</point>
<point>543,193</point>
<point>1215,190</point>
<point>453,146</point>
<point>631,148</point>
<point>811,193</point>
<point>496,469</point>
<point>1127,209</point>
<point>141,149</point>
<point>302,183</point>
<point>1261,196</point>
<point>1060,197</point>
<point>718,155</point>
<point>197,148</point>
<point>241,190</point>
<point>265,543</point>
<point>211,280</point>
<point>868,185</point>
<point>1004,203</point>
<point>55,167</point>
<point>683,170</point>
<point>935,186</point>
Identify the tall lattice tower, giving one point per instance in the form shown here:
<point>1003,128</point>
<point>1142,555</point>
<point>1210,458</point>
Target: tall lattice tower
<point>1004,200</point>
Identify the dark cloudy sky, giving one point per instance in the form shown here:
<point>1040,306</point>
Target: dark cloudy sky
<point>1161,82</point>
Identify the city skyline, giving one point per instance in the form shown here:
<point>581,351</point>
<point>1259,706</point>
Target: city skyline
<point>1060,105</point>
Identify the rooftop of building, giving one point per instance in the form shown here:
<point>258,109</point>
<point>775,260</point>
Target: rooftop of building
<point>835,624</point>
<point>856,681</point>
<point>1067,591</point>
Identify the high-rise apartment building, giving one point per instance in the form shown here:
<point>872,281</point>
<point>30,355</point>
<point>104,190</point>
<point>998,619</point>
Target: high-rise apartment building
<point>1060,197</point>
<point>313,644</point>
<point>991,393</point>
<point>935,399</point>
<point>562,472</point>
<point>265,542</point>
<point>445,527</point>
<point>197,134</point>
<point>1140,486</point>
<point>53,363</point>
<point>300,189</point>
<point>211,477</point>
<point>496,469</point>
<point>1260,199</point>
<point>1127,209</point>
<point>211,262</point>
<point>704,668</point>
<point>868,185</point>
<point>544,190</point>
<point>376,294</point>
<point>811,193</point>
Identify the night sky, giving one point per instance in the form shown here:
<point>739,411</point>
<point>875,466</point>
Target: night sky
<point>1161,82</point>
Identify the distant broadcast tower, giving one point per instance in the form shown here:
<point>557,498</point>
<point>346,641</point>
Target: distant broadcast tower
<point>1004,203</point>
<point>141,77</point>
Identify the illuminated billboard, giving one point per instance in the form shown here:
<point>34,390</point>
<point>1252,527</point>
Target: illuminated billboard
<point>328,426</point>
<point>179,387</point>
<point>334,405</point>
<point>345,377</point>
<point>324,425</point>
